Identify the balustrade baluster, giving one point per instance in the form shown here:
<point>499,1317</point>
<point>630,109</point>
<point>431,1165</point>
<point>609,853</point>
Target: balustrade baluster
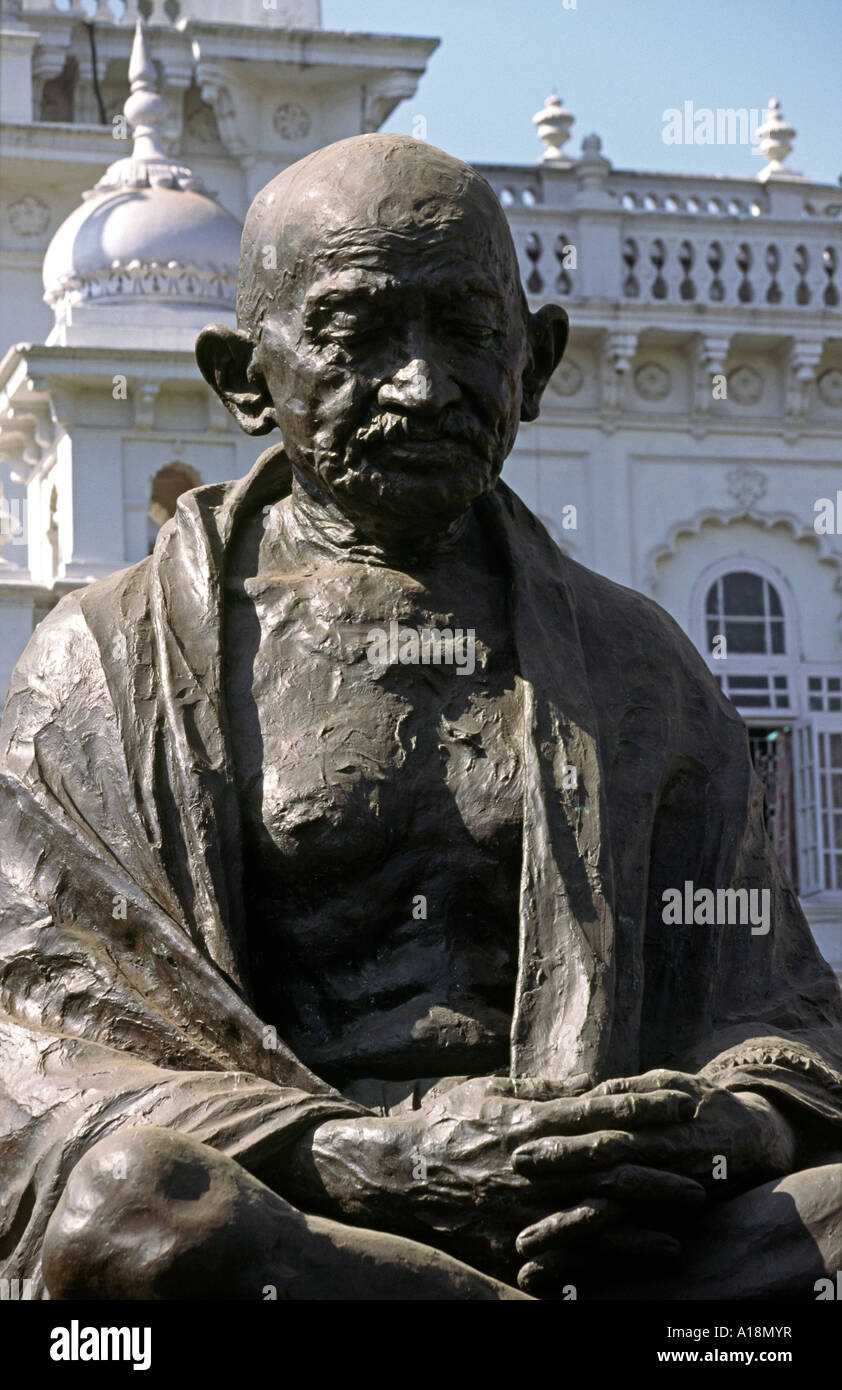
<point>686,257</point>
<point>658,257</point>
<point>534,280</point>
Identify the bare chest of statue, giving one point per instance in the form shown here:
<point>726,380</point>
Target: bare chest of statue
<point>381,807</point>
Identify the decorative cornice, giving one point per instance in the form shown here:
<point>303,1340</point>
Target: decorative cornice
<point>120,282</point>
<point>799,529</point>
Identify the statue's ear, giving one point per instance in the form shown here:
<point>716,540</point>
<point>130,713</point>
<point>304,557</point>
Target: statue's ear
<point>225,358</point>
<point>547,332</point>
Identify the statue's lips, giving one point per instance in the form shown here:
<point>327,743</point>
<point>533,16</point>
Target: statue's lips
<point>425,454</point>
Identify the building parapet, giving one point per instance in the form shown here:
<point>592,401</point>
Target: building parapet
<point>641,238</point>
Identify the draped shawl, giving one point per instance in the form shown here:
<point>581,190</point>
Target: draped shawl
<point>125,996</point>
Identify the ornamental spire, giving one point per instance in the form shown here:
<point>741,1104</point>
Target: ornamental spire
<point>145,113</point>
<point>554,122</point>
<point>774,138</point>
<point>145,110</point>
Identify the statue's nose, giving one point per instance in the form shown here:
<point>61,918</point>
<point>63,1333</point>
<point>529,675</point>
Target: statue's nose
<point>419,385</point>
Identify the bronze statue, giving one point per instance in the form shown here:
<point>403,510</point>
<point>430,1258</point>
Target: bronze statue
<point>336,975</point>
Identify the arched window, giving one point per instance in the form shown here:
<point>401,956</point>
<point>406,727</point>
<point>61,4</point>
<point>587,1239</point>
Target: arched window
<point>745,608</point>
<point>167,486</point>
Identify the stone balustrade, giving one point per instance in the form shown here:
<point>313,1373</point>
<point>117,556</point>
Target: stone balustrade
<point>637,238</point>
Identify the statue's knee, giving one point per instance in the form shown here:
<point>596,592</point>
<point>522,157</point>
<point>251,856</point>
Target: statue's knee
<point>817,1194</point>
<point>125,1209</point>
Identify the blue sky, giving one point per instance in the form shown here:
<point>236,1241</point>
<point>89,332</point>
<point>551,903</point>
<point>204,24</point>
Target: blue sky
<point>618,65</point>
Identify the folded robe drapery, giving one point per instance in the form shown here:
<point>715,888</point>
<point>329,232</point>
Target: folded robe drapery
<point>124,962</point>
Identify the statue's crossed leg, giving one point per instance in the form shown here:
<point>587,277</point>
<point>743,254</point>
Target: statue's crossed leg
<point>151,1213</point>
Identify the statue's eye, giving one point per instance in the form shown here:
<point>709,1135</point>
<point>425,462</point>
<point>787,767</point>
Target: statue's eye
<point>346,324</point>
<point>475,330</point>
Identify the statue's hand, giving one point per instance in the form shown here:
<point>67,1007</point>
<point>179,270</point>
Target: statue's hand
<point>444,1173</point>
<point>638,1179</point>
<point>744,1128</point>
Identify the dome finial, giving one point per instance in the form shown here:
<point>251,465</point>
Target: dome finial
<point>554,122</point>
<point>774,140</point>
<point>145,110</point>
<point>147,235</point>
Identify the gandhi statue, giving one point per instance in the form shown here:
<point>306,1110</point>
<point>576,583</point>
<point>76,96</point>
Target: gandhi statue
<point>334,960</point>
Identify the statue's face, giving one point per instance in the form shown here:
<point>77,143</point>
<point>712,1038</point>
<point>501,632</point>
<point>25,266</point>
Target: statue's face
<point>391,344</point>
<point>394,366</point>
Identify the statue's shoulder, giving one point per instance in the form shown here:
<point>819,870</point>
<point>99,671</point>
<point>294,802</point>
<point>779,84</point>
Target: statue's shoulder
<point>632,645</point>
<point>608,612</point>
<point>633,648</point>
<point>627,618</point>
<point>64,650</point>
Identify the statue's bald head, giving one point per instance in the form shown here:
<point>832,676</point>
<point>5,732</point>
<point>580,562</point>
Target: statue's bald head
<point>384,329</point>
<point>388,186</point>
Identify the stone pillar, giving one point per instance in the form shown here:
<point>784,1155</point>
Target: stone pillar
<point>17,41</point>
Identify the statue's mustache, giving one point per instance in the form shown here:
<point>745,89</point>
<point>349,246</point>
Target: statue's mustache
<point>391,428</point>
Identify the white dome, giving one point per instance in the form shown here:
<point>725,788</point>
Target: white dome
<point>172,243</point>
<point>148,230</point>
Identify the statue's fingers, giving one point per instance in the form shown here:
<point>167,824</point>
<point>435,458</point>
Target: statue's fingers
<point>680,1148</point>
<point>633,1182</point>
<point>557,1156</point>
<point>626,1111</point>
<point>641,1243</point>
<point>673,1146</point>
<point>548,1273</point>
<point>568,1226</point>
<point>659,1079</point>
<point>632,1187</point>
<point>548,1270</point>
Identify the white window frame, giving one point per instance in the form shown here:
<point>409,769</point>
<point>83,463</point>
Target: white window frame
<point>786,664</point>
<point>808,828</point>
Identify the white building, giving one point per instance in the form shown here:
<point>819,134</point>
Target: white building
<point>685,443</point>
<point>104,418</point>
<point>692,431</point>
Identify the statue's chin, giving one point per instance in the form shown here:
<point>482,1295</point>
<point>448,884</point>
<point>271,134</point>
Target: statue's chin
<point>412,494</point>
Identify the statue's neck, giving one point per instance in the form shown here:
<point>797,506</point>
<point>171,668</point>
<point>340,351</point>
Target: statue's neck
<point>317,529</point>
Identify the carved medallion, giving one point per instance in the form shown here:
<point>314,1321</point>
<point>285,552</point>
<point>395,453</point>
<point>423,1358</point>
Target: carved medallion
<point>568,379</point>
<point>652,381</point>
<point>830,386</point>
<point>746,485</point>
<point>745,385</point>
<point>292,121</point>
<point>29,215</point>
